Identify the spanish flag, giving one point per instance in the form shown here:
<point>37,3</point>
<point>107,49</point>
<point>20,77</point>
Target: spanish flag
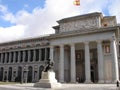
<point>77,2</point>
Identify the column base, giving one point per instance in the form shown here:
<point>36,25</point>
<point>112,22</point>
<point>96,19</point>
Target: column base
<point>115,81</point>
<point>101,81</point>
<point>88,81</point>
<point>61,81</point>
<point>72,81</point>
<point>108,81</point>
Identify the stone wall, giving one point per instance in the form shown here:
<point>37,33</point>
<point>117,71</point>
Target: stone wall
<point>79,24</point>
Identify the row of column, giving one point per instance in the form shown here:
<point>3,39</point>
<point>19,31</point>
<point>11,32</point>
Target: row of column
<point>87,62</point>
<point>25,56</point>
<point>61,70</point>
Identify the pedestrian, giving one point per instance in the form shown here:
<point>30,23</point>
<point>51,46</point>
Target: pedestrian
<point>117,83</point>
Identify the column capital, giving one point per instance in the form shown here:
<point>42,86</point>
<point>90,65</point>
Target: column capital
<point>99,41</point>
<point>86,42</point>
<point>51,46</point>
<point>72,44</point>
<point>113,41</point>
<point>61,45</point>
<point>113,38</point>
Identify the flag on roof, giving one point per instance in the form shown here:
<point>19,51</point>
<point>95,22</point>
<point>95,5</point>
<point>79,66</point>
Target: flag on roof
<point>77,2</point>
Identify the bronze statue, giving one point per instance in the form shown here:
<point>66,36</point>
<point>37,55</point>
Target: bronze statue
<point>48,66</point>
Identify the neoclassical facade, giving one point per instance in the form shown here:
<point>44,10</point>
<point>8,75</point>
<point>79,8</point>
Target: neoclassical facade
<point>84,48</point>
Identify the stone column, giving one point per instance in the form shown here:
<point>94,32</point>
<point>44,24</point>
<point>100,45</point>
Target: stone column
<point>22,78</point>
<point>3,74</point>
<point>38,74</point>
<point>51,53</point>
<point>7,76</point>
<point>61,73</point>
<point>25,73</point>
<point>19,55</point>
<point>73,67</point>
<point>6,57</point>
<point>14,56</point>
<point>29,53</point>
<point>100,62</point>
<point>114,60</point>
<point>87,63</point>
<point>10,57</point>
<point>23,56</point>
<point>39,54</point>
<point>45,54</point>
<point>34,55</point>
<point>1,58</point>
<point>33,75</point>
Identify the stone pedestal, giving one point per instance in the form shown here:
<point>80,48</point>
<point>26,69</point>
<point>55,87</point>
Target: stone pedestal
<point>47,81</point>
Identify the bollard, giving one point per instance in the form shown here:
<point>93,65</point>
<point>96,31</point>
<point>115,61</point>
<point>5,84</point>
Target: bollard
<point>117,83</point>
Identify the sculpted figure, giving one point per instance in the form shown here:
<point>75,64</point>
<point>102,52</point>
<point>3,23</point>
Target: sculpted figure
<point>48,66</point>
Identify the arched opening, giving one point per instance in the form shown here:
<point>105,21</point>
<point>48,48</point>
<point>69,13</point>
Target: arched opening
<point>19,77</point>
<point>30,70</point>
<point>40,71</point>
<point>10,74</point>
<point>1,73</point>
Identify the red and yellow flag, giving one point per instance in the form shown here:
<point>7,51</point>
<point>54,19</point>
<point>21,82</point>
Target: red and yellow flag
<point>77,2</point>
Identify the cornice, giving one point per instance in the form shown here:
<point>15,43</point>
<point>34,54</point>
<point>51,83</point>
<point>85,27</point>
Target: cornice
<point>83,32</point>
<point>61,35</point>
<point>80,17</point>
<point>26,40</point>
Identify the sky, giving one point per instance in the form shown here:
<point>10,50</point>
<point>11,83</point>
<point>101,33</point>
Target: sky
<point>20,19</point>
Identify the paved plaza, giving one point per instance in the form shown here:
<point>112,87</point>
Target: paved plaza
<point>64,87</point>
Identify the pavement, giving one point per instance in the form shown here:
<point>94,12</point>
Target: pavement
<point>29,86</point>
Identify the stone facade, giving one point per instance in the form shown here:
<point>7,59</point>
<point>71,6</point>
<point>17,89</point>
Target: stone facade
<point>84,48</point>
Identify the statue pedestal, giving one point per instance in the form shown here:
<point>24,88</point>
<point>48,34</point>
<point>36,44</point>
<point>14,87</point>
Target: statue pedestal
<point>47,81</point>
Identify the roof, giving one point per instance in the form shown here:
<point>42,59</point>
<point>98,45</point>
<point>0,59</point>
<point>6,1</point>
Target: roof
<point>80,16</point>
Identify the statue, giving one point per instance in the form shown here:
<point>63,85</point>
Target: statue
<point>48,66</point>
<point>48,79</point>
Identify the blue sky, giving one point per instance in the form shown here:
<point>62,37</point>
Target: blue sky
<point>31,18</point>
<point>16,5</point>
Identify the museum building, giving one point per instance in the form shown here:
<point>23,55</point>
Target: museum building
<point>84,49</point>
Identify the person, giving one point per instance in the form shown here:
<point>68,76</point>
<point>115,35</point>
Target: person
<point>117,83</point>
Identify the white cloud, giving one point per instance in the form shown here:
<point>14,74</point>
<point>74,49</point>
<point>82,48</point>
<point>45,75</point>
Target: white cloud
<point>3,9</point>
<point>6,15</point>
<point>11,33</point>
<point>114,9</point>
<point>41,20</point>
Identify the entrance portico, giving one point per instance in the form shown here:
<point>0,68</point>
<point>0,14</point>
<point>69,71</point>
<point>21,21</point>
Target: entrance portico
<point>85,61</point>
